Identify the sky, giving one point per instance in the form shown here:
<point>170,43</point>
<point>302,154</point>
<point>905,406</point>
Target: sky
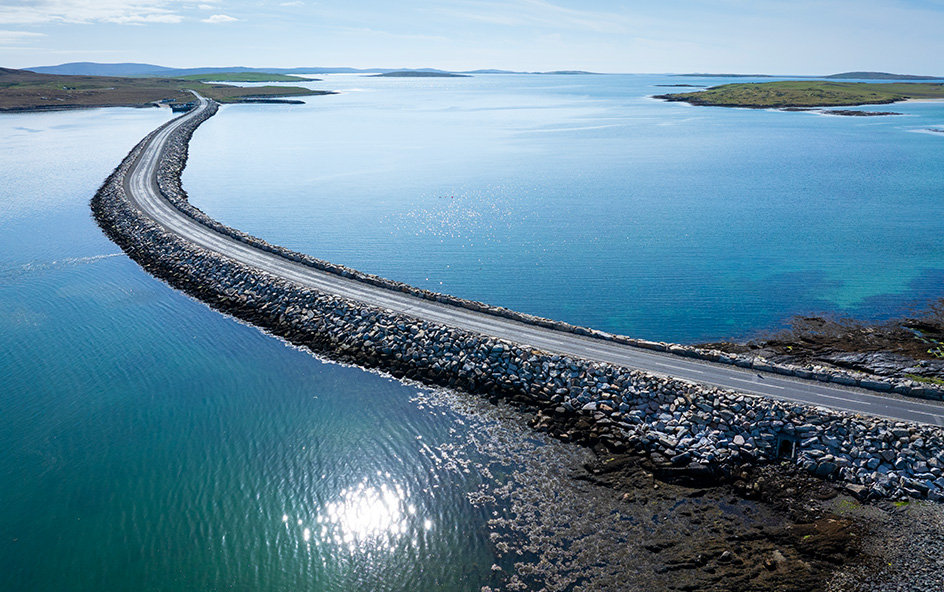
<point>809,37</point>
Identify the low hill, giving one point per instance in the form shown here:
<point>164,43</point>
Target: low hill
<point>421,74</point>
<point>96,69</point>
<point>245,77</point>
<point>566,72</point>
<point>136,70</point>
<point>704,75</point>
<point>878,76</point>
<point>489,71</point>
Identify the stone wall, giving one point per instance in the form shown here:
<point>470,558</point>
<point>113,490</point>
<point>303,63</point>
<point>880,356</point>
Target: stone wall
<point>700,429</point>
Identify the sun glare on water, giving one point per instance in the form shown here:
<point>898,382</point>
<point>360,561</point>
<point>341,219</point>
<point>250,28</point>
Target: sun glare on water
<point>363,517</point>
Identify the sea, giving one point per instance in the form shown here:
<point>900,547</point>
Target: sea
<point>151,443</point>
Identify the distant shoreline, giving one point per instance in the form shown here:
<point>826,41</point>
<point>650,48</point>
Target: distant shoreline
<point>153,105</point>
<point>417,74</point>
<point>22,91</point>
<point>51,108</point>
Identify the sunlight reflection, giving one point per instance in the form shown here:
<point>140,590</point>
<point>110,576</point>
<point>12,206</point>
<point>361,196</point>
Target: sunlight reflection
<point>364,515</point>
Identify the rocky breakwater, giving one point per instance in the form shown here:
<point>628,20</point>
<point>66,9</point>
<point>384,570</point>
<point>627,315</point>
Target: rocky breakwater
<point>689,431</point>
<point>809,370</point>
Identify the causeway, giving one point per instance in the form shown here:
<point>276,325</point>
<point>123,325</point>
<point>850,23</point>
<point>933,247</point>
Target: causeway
<point>141,187</point>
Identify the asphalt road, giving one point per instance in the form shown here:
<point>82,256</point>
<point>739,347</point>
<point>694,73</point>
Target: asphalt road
<point>141,187</point>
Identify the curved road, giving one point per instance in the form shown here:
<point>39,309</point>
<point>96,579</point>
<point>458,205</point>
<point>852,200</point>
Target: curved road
<point>141,188</point>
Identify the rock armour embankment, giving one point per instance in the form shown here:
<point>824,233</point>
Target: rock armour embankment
<point>698,429</point>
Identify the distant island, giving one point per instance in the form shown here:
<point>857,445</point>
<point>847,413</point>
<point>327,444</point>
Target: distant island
<point>245,77</point>
<point>794,94</point>
<point>696,75</point>
<point>21,90</point>
<point>840,76</point>
<point>420,74</point>
<point>134,70</point>
<point>878,76</point>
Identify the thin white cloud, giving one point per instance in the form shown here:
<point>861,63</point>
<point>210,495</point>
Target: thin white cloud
<point>296,3</point>
<point>539,13</point>
<point>206,7</point>
<point>23,12</point>
<point>220,18</point>
<point>17,37</point>
<point>369,33</point>
<point>140,19</point>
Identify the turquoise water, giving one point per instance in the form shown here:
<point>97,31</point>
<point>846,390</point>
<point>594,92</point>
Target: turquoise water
<point>581,199</point>
<point>150,443</point>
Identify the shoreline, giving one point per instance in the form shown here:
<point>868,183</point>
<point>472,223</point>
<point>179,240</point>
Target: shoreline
<point>822,109</point>
<point>46,109</point>
<point>783,106</point>
<point>276,100</point>
<point>905,348</point>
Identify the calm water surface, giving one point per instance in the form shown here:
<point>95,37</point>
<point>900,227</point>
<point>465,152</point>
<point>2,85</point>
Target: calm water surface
<point>579,198</point>
<point>150,443</point>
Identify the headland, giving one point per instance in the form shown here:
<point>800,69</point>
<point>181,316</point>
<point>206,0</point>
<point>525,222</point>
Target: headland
<point>21,90</point>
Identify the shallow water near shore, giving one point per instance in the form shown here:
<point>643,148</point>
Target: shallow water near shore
<point>153,444</point>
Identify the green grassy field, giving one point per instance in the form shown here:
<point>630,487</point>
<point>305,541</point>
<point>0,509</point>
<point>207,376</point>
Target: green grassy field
<point>244,77</point>
<point>806,93</point>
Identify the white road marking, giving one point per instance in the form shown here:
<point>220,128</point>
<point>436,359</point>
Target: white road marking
<point>692,370</point>
<point>856,401</point>
<point>758,383</point>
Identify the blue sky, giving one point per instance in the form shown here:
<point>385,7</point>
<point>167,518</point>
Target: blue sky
<point>777,37</point>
